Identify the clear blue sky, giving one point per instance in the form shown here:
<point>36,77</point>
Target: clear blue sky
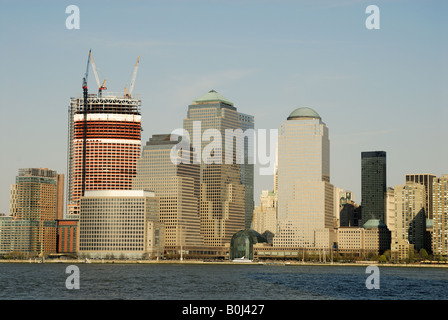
<point>380,89</point>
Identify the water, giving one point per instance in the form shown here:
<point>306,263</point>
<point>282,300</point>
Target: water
<point>218,282</point>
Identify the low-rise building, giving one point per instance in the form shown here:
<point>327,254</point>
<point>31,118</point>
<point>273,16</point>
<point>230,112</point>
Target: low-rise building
<point>120,224</point>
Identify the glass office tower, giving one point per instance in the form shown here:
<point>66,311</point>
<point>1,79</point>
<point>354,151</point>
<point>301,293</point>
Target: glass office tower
<point>373,185</point>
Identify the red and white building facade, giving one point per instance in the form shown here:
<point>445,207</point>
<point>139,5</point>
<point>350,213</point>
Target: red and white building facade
<point>113,145</point>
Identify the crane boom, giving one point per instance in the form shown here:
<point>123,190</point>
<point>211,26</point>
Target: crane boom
<point>134,75</point>
<point>101,87</point>
<point>94,70</point>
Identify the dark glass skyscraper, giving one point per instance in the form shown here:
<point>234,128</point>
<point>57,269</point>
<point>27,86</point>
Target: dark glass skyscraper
<point>373,185</point>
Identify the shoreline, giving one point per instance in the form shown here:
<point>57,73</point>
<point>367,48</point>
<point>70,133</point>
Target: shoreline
<point>248,263</point>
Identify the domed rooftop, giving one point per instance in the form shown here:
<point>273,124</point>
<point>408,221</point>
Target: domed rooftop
<point>304,112</point>
<point>250,233</point>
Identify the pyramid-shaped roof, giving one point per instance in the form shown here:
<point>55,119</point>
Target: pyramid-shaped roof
<point>212,96</point>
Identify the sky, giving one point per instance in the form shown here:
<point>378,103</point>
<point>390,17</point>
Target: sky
<point>376,89</point>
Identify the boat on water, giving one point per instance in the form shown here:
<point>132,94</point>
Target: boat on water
<point>242,259</point>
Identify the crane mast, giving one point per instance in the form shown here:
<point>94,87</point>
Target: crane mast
<point>84,143</point>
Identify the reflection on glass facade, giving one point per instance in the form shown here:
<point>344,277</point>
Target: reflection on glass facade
<point>242,244</point>
<point>373,185</point>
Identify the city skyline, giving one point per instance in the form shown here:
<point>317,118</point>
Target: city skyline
<point>376,89</point>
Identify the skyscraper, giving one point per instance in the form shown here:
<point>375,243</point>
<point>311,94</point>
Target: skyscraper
<point>410,204</point>
<point>440,216</point>
<point>222,205</point>
<point>305,195</point>
<point>247,170</point>
<point>177,187</point>
<point>425,179</point>
<point>34,202</point>
<point>373,185</point>
<point>112,145</point>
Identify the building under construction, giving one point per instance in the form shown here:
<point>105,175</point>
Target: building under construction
<point>104,141</point>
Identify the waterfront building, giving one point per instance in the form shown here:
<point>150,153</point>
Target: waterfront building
<point>34,207</point>
<point>372,238</point>
<point>440,216</point>
<point>176,185</point>
<point>410,220</point>
<point>400,250</point>
<point>67,236</point>
<point>120,224</point>
<point>425,179</point>
<point>19,235</point>
<point>373,185</point>
<point>242,244</point>
<point>305,195</point>
<point>104,144</point>
<point>222,196</point>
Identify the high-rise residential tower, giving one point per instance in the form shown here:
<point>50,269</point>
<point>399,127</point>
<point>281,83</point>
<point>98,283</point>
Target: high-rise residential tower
<point>373,185</point>
<point>222,204</point>
<point>425,179</point>
<point>34,204</point>
<point>410,220</point>
<point>177,187</point>
<point>440,216</point>
<point>305,194</point>
<point>112,127</point>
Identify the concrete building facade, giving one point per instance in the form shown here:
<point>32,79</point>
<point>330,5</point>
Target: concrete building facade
<point>305,195</point>
<point>176,185</point>
<point>34,208</point>
<point>440,216</point>
<point>265,215</point>
<point>104,144</point>
<point>222,195</point>
<point>120,224</point>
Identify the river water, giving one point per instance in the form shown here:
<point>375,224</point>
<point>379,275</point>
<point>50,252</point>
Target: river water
<point>49,281</point>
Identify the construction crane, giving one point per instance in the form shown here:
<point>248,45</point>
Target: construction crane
<point>102,86</point>
<point>84,144</point>
<point>128,94</point>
